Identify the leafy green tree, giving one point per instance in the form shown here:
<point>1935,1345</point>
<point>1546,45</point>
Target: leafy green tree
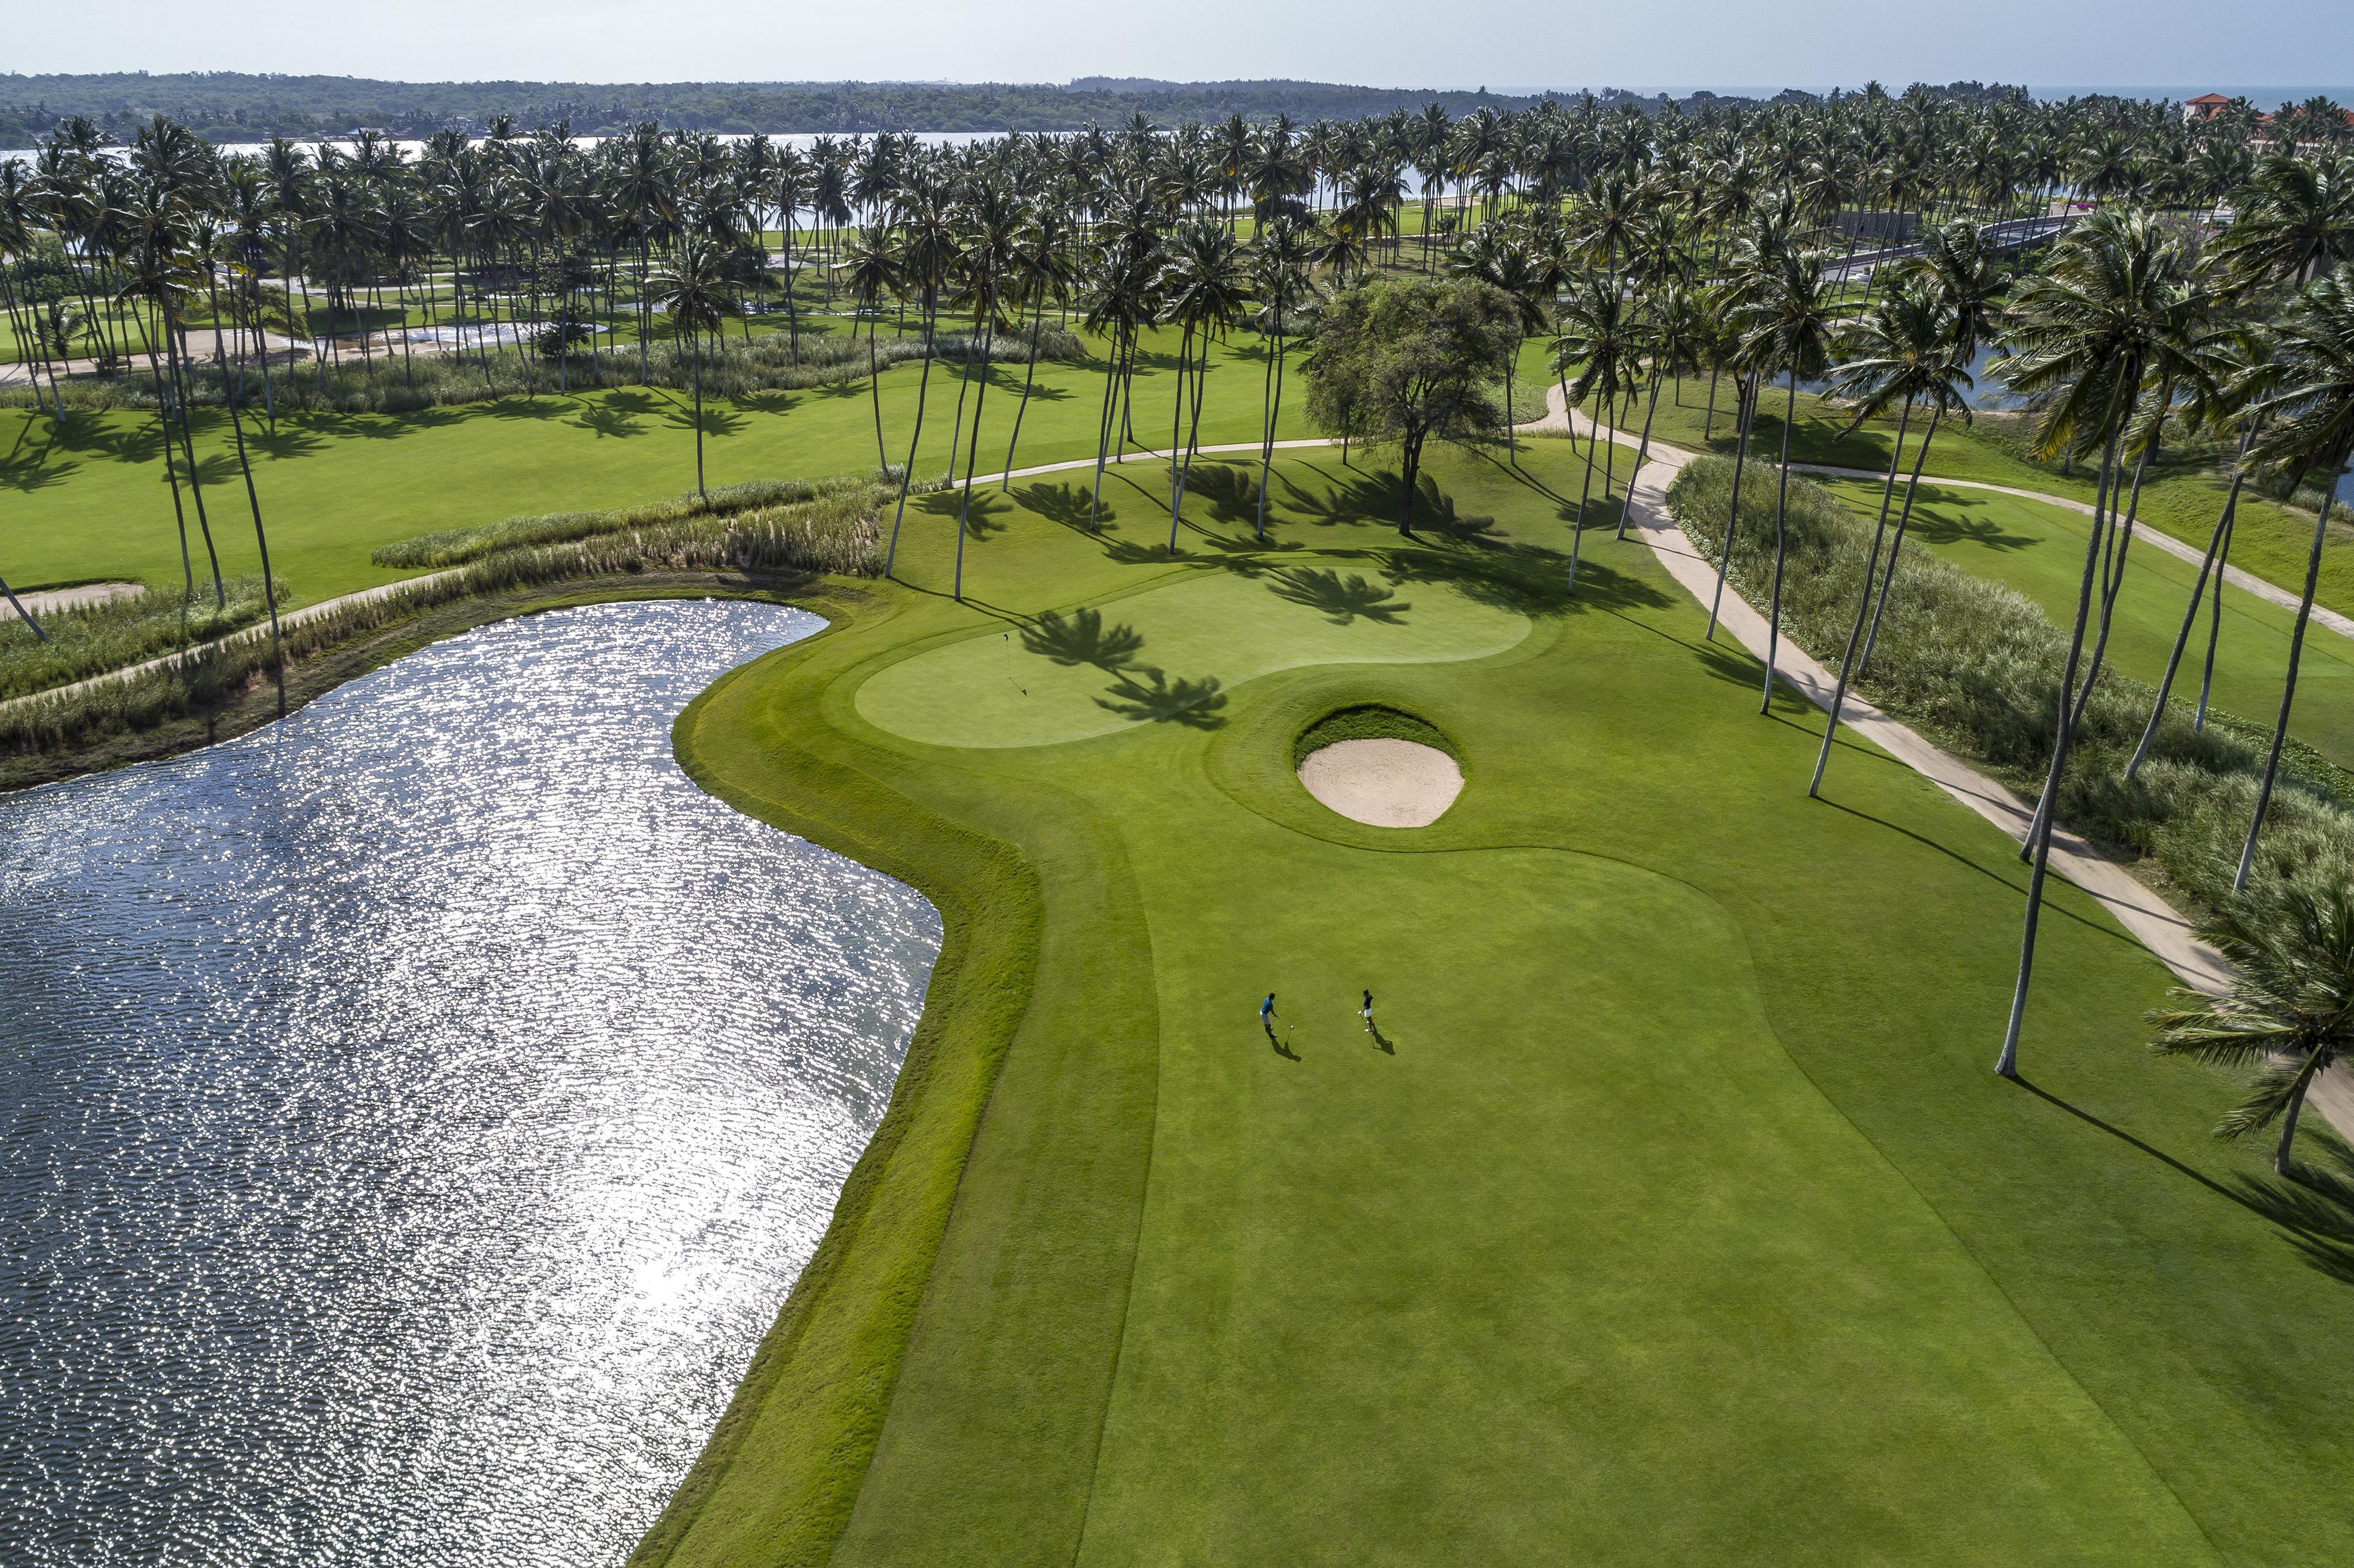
<point>1401,361</point>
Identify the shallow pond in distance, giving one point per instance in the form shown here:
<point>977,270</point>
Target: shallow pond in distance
<point>416,1111</point>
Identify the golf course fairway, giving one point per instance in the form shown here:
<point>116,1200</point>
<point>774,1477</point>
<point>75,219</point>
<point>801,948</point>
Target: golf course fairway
<point>1669,1212</point>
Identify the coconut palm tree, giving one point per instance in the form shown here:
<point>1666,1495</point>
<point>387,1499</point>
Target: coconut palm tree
<point>1785,317</point>
<point>986,260</point>
<point>927,254</point>
<point>692,290</point>
<point>1598,333</point>
<point>2309,429</point>
<point>1509,263</point>
<point>1045,266</point>
<point>2298,222</point>
<point>2288,1015</point>
<point>1905,349</point>
<point>2115,300</point>
<point>2240,355</point>
<point>873,270</point>
<point>1285,287</point>
<point>1675,336</point>
<point>1205,284</point>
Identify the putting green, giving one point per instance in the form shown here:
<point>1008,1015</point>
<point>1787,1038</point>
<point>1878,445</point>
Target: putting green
<point>1171,653</point>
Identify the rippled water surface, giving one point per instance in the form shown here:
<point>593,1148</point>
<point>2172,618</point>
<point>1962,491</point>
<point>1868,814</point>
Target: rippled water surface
<point>414,1113</point>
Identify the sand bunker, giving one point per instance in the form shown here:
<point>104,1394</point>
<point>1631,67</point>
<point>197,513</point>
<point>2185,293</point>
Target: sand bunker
<point>1388,783</point>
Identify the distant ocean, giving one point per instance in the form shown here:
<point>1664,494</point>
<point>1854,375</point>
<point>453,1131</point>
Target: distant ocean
<point>2261,96</point>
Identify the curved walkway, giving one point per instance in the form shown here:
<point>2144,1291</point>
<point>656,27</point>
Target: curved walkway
<point>2158,925</point>
<point>2263,588</point>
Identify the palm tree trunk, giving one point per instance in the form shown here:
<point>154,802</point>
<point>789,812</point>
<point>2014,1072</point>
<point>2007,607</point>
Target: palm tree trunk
<point>2039,831</point>
<point>1745,398</point>
<point>2214,631</point>
<point>188,446</point>
<point>964,386</point>
<point>1512,417</point>
<point>2118,542</point>
<point>1193,438</point>
<point>1863,603</point>
<point>908,473</point>
<point>1896,546</point>
<point>1104,425</point>
<point>22,613</point>
<point>2208,565</point>
<point>2295,655</point>
<point>1177,426</point>
<point>972,448</point>
<point>696,348</point>
<point>875,389</point>
<point>261,540</point>
<point>1266,431</point>
<point>2295,1107</point>
<point>172,476</point>
<point>1781,502</point>
<point>1029,378</point>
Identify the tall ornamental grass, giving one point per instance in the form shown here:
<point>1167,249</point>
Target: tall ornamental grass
<point>122,632</point>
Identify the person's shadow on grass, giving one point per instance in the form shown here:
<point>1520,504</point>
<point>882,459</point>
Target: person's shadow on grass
<point>1382,1041</point>
<point>1281,1050</point>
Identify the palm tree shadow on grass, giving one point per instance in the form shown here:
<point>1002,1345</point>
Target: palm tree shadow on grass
<point>716,420</point>
<point>1065,503</point>
<point>1932,529</point>
<point>605,420</point>
<point>1083,638</point>
<point>2315,1212</point>
<point>1341,601</point>
<point>991,512</point>
<point>1156,699</point>
<point>29,474</point>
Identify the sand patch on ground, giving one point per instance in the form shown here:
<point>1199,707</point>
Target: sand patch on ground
<point>1387,783</point>
<point>47,601</point>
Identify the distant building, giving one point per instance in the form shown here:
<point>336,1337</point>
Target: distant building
<point>2206,106</point>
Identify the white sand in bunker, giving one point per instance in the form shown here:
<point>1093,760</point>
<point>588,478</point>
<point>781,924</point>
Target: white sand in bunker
<point>1388,783</point>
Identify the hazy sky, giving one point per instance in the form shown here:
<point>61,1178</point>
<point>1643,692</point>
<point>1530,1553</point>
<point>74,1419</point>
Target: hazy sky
<point>1402,43</point>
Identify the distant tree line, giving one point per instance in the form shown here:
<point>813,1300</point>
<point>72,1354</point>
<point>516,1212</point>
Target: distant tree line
<point>237,106</point>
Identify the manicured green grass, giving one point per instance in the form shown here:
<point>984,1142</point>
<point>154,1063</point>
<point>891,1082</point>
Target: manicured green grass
<point>1673,1216</point>
<point>2040,550</point>
<point>90,500</point>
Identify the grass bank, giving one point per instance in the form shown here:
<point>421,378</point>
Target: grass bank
<point>1672,1213</point>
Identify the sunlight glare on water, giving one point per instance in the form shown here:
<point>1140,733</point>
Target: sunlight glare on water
<point>416,1111</point>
